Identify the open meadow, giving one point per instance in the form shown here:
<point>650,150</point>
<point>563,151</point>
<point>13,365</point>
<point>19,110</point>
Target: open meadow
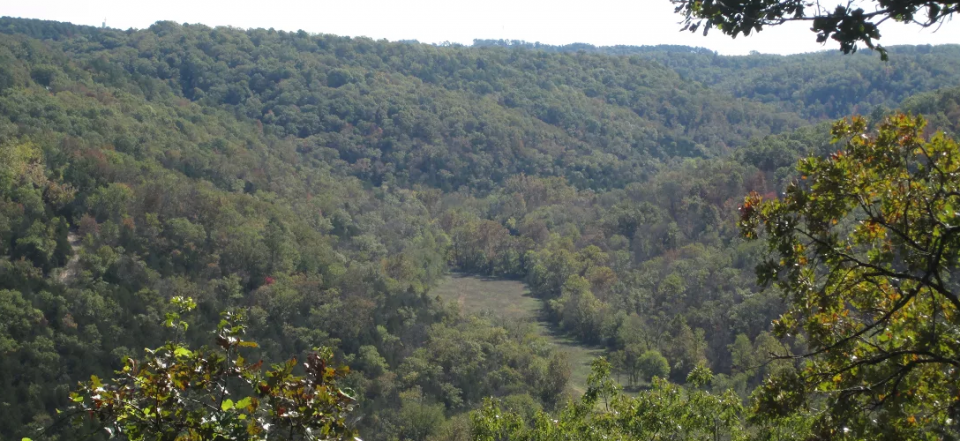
<point>511,300</point>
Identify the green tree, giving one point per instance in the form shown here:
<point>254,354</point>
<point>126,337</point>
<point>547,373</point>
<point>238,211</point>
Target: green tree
<point>39,243</point>
<point>653,365</point>
<point>742,355</point>
<point>866,246</point>
<point>579,310</point>
<point>175,393</point>
<point>687,350</point>
<point>556,378</point>
<point>848,23</point>
<point>418,418</point>
<point>665,412</point>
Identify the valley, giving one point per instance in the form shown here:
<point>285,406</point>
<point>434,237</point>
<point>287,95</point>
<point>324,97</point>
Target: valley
<point>436,240</point>
<point>508,302</point>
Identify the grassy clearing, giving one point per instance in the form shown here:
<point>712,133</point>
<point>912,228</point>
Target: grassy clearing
<point>508,299</point>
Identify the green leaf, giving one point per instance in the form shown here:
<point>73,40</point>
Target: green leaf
<point>242,404</point>
<point>182,352</point>
<point>226,405</point>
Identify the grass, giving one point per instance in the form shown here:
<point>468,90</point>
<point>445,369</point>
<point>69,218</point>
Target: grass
<point>508,299</point>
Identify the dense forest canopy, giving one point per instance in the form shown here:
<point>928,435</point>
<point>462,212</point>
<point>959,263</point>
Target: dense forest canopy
<point>823,85</point>
<point>325,184</point>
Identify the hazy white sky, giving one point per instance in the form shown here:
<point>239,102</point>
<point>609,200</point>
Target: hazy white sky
<point>599,22</point>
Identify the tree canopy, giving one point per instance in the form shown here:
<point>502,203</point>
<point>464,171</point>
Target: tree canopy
<point>848,23</point>
<point>866,247</point>
<point>664,412</point>
<point>175,393</point>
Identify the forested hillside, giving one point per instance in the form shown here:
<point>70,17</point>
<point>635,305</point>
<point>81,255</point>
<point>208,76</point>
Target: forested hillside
<point>822,85</point>
<point>327,183</point>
